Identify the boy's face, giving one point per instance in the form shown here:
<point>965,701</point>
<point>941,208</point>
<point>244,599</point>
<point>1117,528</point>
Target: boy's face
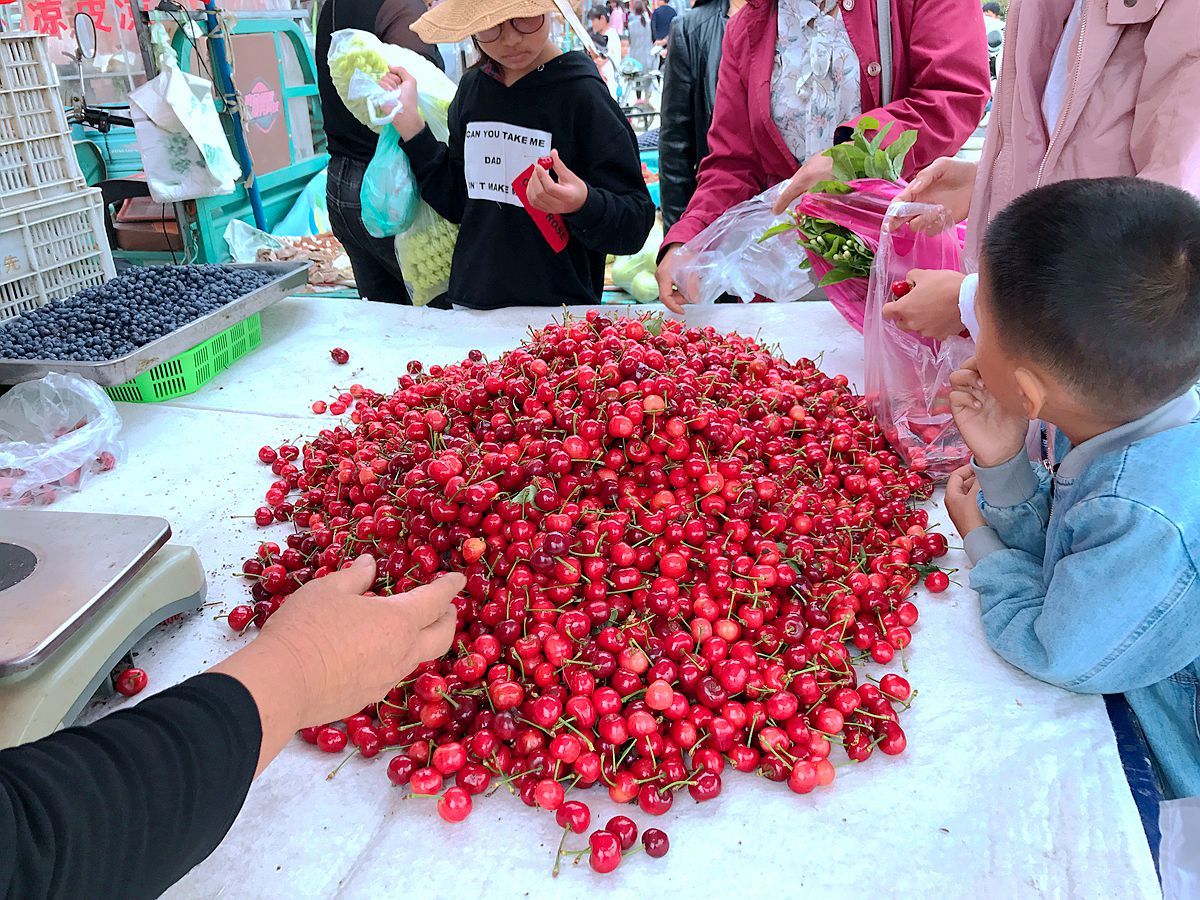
<point>996,365</point>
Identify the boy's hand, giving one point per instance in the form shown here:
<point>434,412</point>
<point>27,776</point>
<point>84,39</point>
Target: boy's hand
<point>407,122</point>
<point>931,307</point>
<point>994,435</point>
<point>565,196</point>
<point>962,501</point>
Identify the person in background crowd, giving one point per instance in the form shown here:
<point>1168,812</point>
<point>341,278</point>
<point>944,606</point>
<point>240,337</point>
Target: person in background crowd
<point>660,24</point>
<point>352,144</point>
<point>688,94</point>
<point>820,61</point>
<point>993,17</point>
<point>616,16</point>
<point>126,806</point>
<point>1088,89</point>
<point>640,43</point>
<point>527,106</point>
<point>609,44</point>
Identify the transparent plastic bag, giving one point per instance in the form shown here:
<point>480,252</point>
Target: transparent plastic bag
<point>730,257</point>
<point>907,376</point>
<point>425,252</point>
<point>55,434</point>
<point>358,59</point>
<point>389,194</point>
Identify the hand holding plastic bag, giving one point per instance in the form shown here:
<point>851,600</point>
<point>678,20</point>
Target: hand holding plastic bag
<point>729,257</point>
<point>358,59</point>
<point>55,434</point>
<point>907,376</point>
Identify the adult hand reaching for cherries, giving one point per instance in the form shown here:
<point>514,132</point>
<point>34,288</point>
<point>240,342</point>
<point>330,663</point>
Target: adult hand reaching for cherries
<point>330,650</point>
<point>930,305</point>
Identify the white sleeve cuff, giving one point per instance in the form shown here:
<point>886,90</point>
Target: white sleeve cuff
<point>966,305</point>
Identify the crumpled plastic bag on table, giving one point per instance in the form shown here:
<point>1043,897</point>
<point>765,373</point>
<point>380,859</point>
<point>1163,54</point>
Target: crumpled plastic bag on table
<point>729,257</point>
<point>55,434</point>
<point>908,376</point>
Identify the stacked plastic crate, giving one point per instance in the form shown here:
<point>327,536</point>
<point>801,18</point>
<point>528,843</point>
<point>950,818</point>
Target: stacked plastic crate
<point>52,237</point>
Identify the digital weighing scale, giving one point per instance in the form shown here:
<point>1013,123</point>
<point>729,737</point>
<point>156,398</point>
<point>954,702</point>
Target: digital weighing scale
<point>77,591</point>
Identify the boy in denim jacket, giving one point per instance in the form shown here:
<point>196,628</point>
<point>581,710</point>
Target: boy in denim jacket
<point>1087,570</point>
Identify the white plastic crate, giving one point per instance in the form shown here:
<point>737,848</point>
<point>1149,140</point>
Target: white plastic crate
<point>37,157</point>
<point>25,62</point>
<point>52,250</point>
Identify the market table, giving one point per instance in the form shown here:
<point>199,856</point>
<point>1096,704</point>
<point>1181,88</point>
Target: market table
<point>1009,787</point>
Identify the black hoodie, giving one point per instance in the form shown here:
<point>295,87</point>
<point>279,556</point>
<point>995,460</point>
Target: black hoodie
<point>501,258</point>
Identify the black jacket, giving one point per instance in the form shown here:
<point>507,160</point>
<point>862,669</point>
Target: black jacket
<point>689,90</point>
<point>501,258</point>
<point>388,20</point>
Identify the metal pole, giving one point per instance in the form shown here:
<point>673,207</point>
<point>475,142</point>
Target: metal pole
<point>224,76</point>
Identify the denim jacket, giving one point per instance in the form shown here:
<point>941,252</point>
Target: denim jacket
<point>1089,580</point>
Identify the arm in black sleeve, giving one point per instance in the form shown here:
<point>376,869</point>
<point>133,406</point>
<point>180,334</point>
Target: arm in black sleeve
<point>393,25</point>
<point>439,168</point>
<point>677,149</point>
<point>126,806</point>
<point>618,214</point>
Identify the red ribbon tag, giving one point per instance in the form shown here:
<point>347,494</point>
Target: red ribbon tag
<point>551,225</point>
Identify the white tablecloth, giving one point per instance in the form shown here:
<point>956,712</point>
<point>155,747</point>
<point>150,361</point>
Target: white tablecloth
<point>1009,787</point>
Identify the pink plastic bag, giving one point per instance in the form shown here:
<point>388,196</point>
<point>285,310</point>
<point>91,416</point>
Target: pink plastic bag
<point>907,376</point>
<point>863,212</point>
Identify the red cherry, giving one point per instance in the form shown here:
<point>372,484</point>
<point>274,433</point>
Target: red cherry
<point>131,681</point>
<point>605,853</point>
<point>655,843</point>
<point>937,581</point>
<point>454,805</point>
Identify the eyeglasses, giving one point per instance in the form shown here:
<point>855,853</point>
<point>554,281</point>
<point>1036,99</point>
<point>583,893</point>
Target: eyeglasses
<point>525,25</point>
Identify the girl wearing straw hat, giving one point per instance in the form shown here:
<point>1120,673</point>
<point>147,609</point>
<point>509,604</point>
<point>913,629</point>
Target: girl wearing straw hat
<point>541,171</point>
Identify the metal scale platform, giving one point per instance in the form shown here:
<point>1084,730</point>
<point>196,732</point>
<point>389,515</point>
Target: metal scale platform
<point>77,591</point>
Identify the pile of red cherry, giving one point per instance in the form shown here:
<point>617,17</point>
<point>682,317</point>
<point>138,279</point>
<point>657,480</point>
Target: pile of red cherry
<point>681,553</point>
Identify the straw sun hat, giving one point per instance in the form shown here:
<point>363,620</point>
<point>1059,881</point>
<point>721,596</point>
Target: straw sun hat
<point>455,20</point>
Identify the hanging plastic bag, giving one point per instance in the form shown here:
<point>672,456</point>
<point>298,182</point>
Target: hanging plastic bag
<point>730,256</point>
<point>425,253</point>
<point>389,194</point>
<point>425,250</point>
<point>907,376</point>
<point>55,434</point>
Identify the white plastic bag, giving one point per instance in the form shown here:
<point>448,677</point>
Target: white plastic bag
<point>55,434</point>
<point>358,59</point>
<point>729,257</point>
<point>183,147</point>
<point>1179,851</point>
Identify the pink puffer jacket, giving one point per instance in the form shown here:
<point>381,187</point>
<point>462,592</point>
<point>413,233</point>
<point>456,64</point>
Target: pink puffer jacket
<point>1132,105</point>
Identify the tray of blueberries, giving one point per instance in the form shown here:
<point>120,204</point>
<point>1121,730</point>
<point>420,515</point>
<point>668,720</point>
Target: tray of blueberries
<point>112,332</point>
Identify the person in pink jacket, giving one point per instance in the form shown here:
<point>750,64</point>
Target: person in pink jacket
<point>1087,89</point>
<point>797,75</point>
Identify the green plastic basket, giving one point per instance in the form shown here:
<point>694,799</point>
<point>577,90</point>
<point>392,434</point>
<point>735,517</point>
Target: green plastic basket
<point>192,369</point>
